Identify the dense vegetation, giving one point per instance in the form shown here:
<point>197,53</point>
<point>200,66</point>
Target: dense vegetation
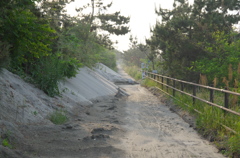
<point>40,42</point>
<point>193,39</point>
<point>197,43</point>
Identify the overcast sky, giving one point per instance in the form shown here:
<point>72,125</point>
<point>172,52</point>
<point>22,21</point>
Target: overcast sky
<point>142,13</point>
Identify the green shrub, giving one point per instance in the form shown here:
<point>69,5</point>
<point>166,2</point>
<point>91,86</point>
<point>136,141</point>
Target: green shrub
<point>58,117</point>
<point>4,54</point>
<point>108,58</point>
<point>234,144</point>
<point>209,123</point>
<point>6,139</point>
<point>133,72</point>
<point>6,143</point>
<point>48,71</point>
<point>149,83</point>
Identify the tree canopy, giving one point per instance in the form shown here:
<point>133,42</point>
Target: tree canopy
<point>40,42</point>
<point>185,32</point>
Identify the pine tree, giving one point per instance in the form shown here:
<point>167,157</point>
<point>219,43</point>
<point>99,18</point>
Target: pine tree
<point>182,29</point>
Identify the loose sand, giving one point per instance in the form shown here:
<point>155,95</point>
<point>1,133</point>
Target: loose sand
<point>137,126</point>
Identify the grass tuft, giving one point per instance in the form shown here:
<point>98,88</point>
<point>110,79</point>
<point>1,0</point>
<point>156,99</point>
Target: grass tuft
<point>58,117</point>
<point>133,71</point>
<point>6,143</point>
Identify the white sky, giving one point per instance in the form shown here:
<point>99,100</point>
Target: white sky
<point>142,13</point>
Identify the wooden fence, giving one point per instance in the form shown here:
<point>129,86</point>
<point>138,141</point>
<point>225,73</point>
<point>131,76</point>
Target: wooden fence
<point>172,85</point>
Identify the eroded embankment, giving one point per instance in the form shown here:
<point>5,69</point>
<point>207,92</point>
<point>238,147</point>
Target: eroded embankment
<point>139,125</point>
<point>23,105</point>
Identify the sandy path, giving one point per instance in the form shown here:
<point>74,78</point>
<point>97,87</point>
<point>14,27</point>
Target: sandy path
<point>153,131</point>
<point>138,126</point>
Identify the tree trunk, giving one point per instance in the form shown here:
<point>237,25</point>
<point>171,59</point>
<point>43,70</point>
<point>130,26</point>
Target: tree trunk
<point>153,65</point>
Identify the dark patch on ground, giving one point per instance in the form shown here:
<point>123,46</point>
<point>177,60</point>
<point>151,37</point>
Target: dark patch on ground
<point>191,120</point>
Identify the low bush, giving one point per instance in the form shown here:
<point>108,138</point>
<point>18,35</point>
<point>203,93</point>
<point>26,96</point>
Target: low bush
<point>108,58</point>
<point>133,71</point>
<point>58,117</point>
<point>5,139</point>
<point>234,145</point>
<point>47,73</point>
<point>6,143</point>
<point>4,54</point>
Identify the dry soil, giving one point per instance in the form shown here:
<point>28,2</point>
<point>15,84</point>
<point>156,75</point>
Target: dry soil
<point>137,126</point>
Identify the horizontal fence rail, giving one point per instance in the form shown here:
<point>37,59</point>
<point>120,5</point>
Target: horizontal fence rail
<point>152,76</point>
<point>194,94</point>
<point>164,81</point>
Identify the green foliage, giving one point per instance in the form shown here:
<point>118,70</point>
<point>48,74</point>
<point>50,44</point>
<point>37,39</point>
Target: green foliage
<point>101,19</point>
<point>234,144</point>
<point>108,58</point>
<point>140,53</point>
<point>212,122</point>
<point>220,55</point>
<point>6,143</point>
<point>208,121</point>
<point>133,71</point>
<point>46,45</point>
<point>114,23</point>
<point>149,83</point>
<point>185,26</point>
<point>35,113</point>
<point>174,38</point>
<point>29,36</point>
<point>47,72</point>
<point>6,140</point>
<point>77,42</point>
<point>10,20</point>
<point>58,117</point>
<point>4,54</point>
<point>134,55</point>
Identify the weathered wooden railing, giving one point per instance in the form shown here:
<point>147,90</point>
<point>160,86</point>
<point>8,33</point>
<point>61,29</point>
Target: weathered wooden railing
<point>165,81</point>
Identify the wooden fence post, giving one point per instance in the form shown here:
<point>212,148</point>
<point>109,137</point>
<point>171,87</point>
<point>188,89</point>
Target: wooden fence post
<point>194,94</point>
<point>182,87</point>
<point>226,100</point>
<point>162,83</point>
<point>167,84</point>
<point>174,86</point>
<point>211,95</point>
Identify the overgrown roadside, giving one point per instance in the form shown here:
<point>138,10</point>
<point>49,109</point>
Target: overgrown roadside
<point>135,126</point>
<point>154,130</point>
<point>223,145</point>
<point>24,108</point>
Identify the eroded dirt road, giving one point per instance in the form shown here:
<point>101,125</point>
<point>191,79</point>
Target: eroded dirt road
<point>153,131</point>
<point>138,126</point>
